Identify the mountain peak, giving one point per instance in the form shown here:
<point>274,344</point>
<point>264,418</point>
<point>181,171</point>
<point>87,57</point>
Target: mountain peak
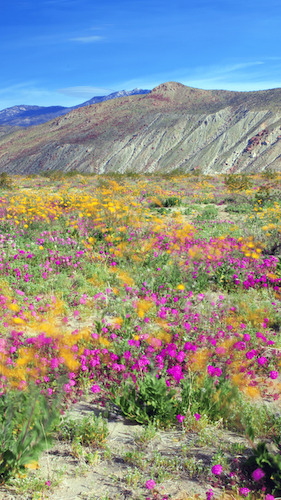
<point>169,87</point>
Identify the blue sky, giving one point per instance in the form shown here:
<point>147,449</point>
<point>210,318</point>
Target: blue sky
<point>63,52</point>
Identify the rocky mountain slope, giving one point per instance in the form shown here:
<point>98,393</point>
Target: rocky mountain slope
<point>26,116</point>
<point>172,127</point>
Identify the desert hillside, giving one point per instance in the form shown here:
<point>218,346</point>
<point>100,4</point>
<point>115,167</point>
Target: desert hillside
<point>172,127</point>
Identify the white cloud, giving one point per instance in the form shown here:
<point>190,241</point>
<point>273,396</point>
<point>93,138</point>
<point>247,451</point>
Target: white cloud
<point>246,76</point>
<point>17,87</point>
<point>84,91</point>
<point>87,39</point>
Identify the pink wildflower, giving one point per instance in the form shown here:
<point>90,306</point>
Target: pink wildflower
<point>95,388</point>
<point>197,416</point>
<point>220,350</point>
<point>273,375</point>
<point>251,354</point>
<point>180,418</point>
<point>217,469</point>
<point>150,484</point>
<point>257,474</point>
<point>211,370</point>
<point>244,492</point>
<point>83,299</point>
<point>209,494</point>
<point>176,372</point>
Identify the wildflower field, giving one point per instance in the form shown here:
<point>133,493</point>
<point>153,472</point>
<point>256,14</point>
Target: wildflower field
<point>155,298</point>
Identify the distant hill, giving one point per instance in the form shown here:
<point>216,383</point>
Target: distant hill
<point>26,116</point>
<point>114,95</point>
<point>173,127</point>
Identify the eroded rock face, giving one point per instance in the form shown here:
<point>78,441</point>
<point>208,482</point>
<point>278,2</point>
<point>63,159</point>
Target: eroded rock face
<point>172,127</point>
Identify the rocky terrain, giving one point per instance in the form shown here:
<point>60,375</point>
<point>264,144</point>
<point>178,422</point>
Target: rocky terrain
<point>172,127</point>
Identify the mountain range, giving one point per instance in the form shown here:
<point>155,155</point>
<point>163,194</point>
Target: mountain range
<point>172,127</point>
<point>26,116</point>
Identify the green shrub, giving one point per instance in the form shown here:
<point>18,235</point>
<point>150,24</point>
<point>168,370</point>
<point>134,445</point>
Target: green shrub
<point>263,195</point>
<point>91,430</point>
<point>208,213</point>
<point>27,424</point>
<point>172,201</point>
<point>269,463</point>
<point>215,399</point>
<point>71,173</point>
<point>237,182</point>
<point>242,208</point>
<point>147,401</point>
<point>6,181</point>
<point>269,174</point>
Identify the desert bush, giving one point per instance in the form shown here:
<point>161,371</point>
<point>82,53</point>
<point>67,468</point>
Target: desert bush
<point>147,401</point>
<point>269,174</point>
<point>155,203</point>
<point>243,208</point>
<point>90,430</point>
<point>217,399</point>
<point>264,194</point>
<point>71,173</point>
<point>58,175</point>
<point>267,466</point>
<point>195,172</point>
<point>273,246</point>
<point>32,176</point>
<point>27,425</point>
<point>172,201</point>
<point>208,213</point>
<point>6,181</point>
<point>237,182</point>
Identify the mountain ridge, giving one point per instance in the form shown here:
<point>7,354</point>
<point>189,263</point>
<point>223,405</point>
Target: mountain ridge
<point>29,115</point>
<point>173,127</point>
